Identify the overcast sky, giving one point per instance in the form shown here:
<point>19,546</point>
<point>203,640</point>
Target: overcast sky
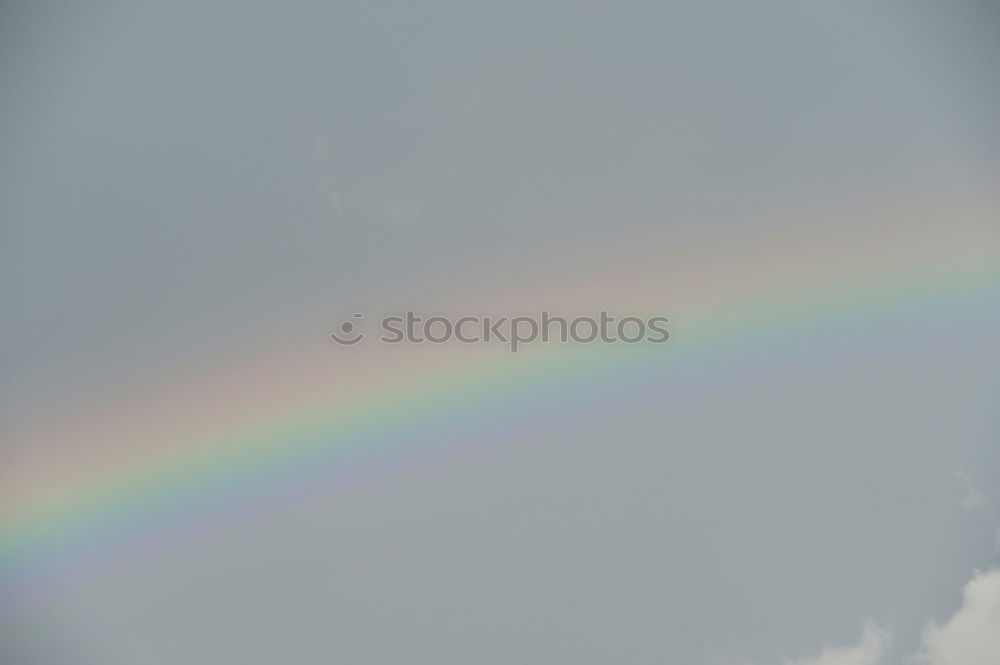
<point>177,179</point>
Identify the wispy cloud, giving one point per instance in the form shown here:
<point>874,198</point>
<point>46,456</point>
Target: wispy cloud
<point>869,651</point>
<point>973,498</point>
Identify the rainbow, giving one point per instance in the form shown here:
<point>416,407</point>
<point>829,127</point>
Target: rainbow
<point>146,484</point>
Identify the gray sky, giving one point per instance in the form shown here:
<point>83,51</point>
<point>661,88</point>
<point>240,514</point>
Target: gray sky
<point>179,179</point>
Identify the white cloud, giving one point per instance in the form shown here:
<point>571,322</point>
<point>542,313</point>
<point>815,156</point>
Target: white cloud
<point>972,635</point>
<point>874,643</point>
